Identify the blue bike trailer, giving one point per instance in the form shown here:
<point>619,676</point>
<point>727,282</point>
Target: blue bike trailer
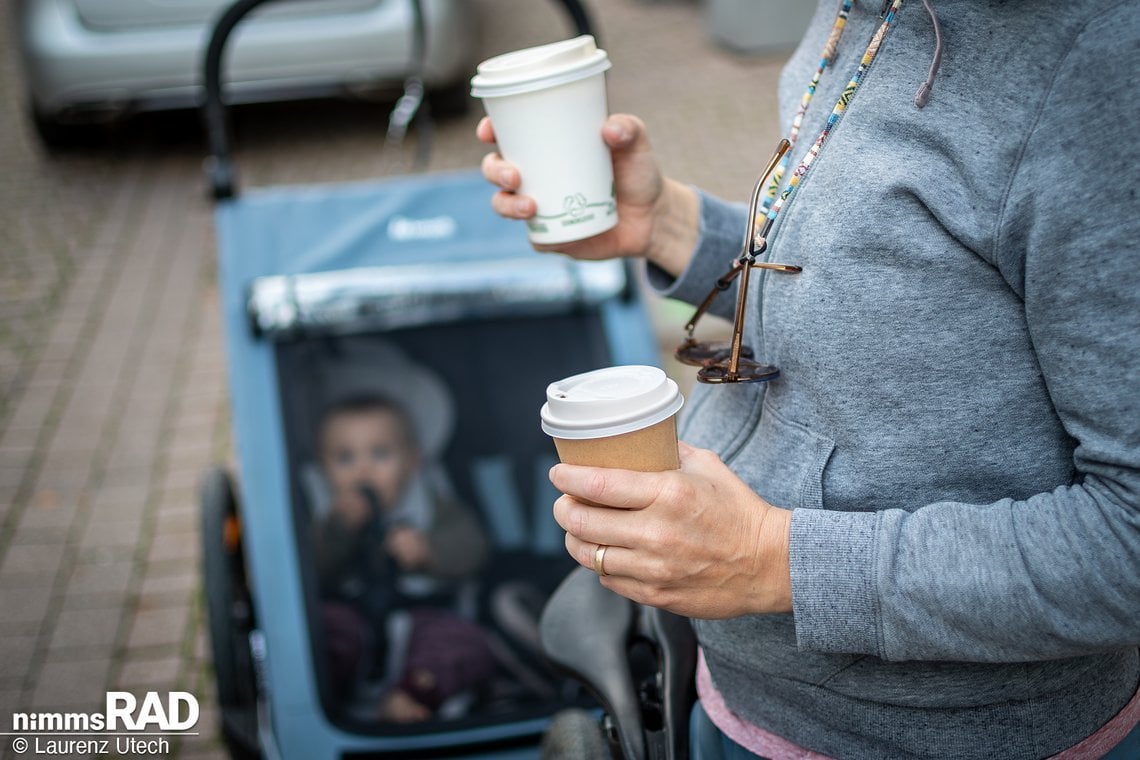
<point>329,287</point>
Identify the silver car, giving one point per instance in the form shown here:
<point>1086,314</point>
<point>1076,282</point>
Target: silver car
<point>88,61</point>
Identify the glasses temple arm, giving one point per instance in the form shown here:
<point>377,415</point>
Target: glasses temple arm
<point>738,324</point>
<point>747,256</point>
<point>748,245</point>
<point>722,284</point>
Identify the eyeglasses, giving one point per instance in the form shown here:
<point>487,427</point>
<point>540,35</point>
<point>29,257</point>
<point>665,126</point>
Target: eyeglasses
<point>734,361</point>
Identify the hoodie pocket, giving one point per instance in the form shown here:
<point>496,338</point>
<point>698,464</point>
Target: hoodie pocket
<point>783,461</point>
<point>721,417</point>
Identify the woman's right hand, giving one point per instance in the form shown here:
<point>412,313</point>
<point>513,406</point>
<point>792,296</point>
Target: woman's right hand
<point>657,217</point>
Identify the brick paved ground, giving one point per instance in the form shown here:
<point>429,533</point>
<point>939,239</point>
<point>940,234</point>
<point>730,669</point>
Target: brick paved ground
<point>112,381</point>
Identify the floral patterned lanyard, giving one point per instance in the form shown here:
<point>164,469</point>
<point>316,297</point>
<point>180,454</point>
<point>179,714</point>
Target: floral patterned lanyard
<point>734,362</point>
<point>774,201</point>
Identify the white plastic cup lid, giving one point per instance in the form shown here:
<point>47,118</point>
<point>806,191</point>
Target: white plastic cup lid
<point>609,401</point>
<point>538,68</point>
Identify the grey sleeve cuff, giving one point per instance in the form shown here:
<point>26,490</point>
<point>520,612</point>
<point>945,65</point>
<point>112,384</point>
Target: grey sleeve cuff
<point>833,567</point>
<point>718,241</point>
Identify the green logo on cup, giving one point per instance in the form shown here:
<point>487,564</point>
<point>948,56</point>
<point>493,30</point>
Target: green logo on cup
<point>575,205</point>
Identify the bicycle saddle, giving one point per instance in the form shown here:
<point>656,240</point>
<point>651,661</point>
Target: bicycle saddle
<point>637,661</point>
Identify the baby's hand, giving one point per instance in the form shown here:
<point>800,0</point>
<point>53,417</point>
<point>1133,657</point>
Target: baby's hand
<point>399,707</point>
<point>408,547</point>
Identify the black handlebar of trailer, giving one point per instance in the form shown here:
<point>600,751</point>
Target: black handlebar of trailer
<point>220,169</point>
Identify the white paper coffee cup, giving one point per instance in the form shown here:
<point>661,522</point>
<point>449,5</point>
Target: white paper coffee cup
<point>548,104</point>
<point>623,417</point>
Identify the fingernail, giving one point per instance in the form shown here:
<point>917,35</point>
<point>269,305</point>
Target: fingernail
<point>618,130</point>
<point>522,206</point>
<point>505,177</point>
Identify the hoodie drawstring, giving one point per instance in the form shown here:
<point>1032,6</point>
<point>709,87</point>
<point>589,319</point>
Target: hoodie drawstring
<point>923,95</point>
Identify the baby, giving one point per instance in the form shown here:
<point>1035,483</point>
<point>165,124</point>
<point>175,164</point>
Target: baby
<point>389,547</point>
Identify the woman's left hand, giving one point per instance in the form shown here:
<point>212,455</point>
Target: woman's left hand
<point>696,541</point>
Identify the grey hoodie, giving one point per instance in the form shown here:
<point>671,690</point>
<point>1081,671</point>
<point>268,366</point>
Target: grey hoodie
<point>957,422</point>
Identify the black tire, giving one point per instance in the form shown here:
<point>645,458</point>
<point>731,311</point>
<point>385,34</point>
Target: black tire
<point>575,734</point>
<point>55,135</point>
<point>229,612</point>
<point>450,100</point>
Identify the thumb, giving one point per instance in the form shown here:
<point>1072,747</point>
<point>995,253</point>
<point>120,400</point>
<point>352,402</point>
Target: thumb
<point>623,131</point>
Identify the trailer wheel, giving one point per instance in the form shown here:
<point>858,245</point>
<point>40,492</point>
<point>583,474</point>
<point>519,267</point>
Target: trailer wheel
<point>229,611</point>
<point>575,734</point>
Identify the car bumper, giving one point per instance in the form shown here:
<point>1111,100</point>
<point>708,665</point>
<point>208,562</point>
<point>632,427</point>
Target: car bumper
<point>73,69</point>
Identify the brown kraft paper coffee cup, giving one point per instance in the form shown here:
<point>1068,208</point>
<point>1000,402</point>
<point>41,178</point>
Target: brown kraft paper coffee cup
<point>621,417</point>
<point>651,449</point>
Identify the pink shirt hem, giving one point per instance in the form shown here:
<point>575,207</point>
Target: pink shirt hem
<point>761,742</point>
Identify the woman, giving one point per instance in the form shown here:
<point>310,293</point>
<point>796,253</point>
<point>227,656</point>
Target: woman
<point>923,537</point>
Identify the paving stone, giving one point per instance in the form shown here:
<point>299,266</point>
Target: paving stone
<point>209,722</point>
<point>70,478</point>
<point>85,629</point>
<point>65,334</point>
<point>163,568</point>
<point>88,600</point>
<point>106,554</point>
<point>163,600</point>
<point>112,532</point>
<point>174,547</point>
<point>141,426</point>
<point>23,605</point>
<point>8,493</point>
<point>15,659</point>
<point>49,510</point>
<point>180,519</point>
<point>38,534</point>
<point>134,493</point>
<point>159,627</point>
<point>193,426</point>
<point>82,419</point>
<point>183,498</point>
<point>100,578</point>
<point>17,448</point>
<point>127,476</point>
<point>181,582</point>
<point>18,439</point>
<point>12,475</point>
<point>72,447</point>
<point>145,456</point>
<point>9,628</point>
<point>211,751</point>
<point>32,409</point>
<point>34,560</point>
<point>11,701</point>
<point>193,454</point>
<point>103,522</point>
<point>181,478</point>
<point>43,583</point>
<point>201,645</point>
<point>151,389</point>
<point>157,674</point>
<point>53,372</point>
<point>72,684</point>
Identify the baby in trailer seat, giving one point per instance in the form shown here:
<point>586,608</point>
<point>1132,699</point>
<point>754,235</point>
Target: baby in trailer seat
<point>391,552</point>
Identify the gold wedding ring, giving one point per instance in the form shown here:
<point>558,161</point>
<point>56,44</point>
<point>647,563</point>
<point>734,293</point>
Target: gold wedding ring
<point>599,560</point>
